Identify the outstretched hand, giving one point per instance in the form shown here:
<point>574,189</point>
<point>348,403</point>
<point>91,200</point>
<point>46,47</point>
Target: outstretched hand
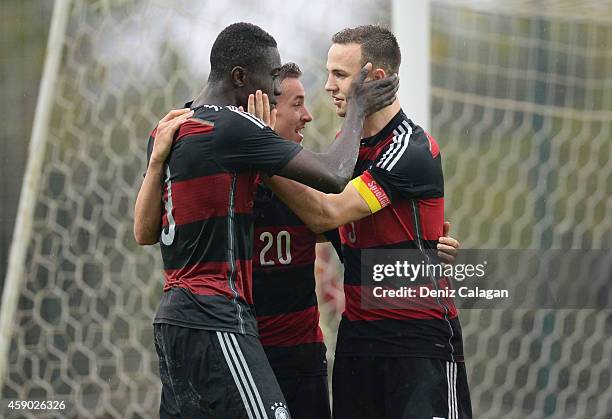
<point>259,105</point>
<point>372,96</point>
<point>164,135</point>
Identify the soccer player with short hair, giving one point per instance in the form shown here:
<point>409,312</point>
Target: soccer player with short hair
<point>390,362</point>
<point>283,277</point>
<point>211,363</point>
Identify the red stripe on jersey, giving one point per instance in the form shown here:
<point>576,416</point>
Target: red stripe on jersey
<point>204,278</point>
<point>372,152</point>
<point>207,197</point>
<point>193,127</point>
<point>290,329</point>
<point>190,127</point>
<point>297,248</point>
<point>431,216</point>
<point>211,278</point>
<point>433,145</point>
<point>399,308</point>
<point>392,224</point>
<point>200,198</point>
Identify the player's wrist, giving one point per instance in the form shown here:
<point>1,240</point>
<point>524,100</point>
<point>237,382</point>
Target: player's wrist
<point>357,108</point>
<point>155,165</point>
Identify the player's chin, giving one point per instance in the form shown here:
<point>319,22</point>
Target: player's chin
<point>341,112</point>
<point>296,138</point>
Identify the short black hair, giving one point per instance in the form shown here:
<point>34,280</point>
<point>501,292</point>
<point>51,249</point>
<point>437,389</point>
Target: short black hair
<point>290,70</point>
<point>378,45</point>
<point>240,44</point>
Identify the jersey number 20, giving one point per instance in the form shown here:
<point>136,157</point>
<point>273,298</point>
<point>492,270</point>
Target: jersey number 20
<point>283,248</point>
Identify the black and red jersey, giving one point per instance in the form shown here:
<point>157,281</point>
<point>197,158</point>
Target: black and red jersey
<point>399,174</point>
<point>284,288</point>
<point>207,234</point>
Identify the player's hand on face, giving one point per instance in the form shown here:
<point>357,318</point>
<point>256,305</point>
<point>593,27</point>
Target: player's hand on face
<point>372,96</point>
<point>259,105</point>
<point>448,247</point>
<point>165,133</point>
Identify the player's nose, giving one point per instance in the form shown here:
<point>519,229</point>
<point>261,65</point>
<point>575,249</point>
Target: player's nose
<point>330,84</point>
<point>306,116</point>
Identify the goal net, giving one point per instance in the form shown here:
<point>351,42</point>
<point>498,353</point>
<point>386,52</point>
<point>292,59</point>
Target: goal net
<point>86,294</point>
<point>521,101</point>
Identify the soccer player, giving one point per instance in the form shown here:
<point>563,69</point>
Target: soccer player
<point>211,363</point>
<point>283,276</point>
<point>390,362</point>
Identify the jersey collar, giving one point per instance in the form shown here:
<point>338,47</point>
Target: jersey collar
<point>384,133</point>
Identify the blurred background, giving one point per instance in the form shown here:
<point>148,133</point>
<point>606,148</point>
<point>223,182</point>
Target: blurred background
<point>519,99</point>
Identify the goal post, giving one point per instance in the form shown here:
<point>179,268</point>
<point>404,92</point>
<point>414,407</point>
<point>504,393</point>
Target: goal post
<point>31,181</point>
<point>411,24</point>
<point>77,318</point>
<point>517,95</point>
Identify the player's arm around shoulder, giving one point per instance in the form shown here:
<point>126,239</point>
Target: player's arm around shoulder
<point>320,211</point>
<point>147,210</point>
<point>411,174</point>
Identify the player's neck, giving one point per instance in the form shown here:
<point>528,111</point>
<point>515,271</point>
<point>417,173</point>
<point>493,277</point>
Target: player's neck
<point>374,123</point>
<point>214,94</point>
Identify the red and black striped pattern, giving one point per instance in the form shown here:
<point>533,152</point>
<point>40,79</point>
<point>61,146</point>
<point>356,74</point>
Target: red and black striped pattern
<point>284,289</point>
<point>406,163</point>
<point>207,220</point>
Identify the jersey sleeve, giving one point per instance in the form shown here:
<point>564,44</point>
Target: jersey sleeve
<point>334,238</point>
<point>409,167</point>
<point>247,143</point>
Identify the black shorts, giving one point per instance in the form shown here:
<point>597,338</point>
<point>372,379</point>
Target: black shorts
<point>209,374</point>
<point>400,388</point>
<point>307,396</point>
<point>301,371</point>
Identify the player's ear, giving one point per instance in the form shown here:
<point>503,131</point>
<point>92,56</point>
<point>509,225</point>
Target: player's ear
<point>238,76</point>
<point>378,74</point>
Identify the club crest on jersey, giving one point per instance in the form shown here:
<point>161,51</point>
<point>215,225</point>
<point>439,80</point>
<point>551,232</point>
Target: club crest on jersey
<point>280,411</point>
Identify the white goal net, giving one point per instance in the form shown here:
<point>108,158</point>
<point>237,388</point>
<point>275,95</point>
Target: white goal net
<point>521,103</point>
<point>81,330</point>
